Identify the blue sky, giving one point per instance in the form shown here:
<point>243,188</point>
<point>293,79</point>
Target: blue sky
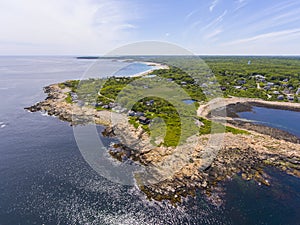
<point>77,27</point>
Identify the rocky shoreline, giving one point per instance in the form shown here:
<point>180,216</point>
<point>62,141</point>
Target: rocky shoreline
<point>233,109</point>
<point>174,173</point>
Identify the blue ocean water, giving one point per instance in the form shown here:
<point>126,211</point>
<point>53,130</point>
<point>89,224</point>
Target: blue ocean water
<point>45,180</point>
<point>134,69</point>
<point>282,119</point>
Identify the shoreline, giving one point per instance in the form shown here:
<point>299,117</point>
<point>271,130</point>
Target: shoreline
<point>178,170</point>
<point>235,105</point>
<point>158,66</point>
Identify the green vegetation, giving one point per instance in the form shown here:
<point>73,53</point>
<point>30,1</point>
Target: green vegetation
<point>281,74</point>
<point>210,127</point>
<point>160,96</point>
<point>184,80</point>
<point>236,75</point>
<point>69,98</point>
<point>133,121</point>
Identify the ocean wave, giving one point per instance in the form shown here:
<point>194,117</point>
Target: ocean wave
<point>44,114</point>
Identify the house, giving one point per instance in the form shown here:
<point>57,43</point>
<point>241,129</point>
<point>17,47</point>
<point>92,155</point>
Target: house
<point>270,84</point>
<point>112,105</point>
<point>241,82</point>
<point>183,83</point>
<point>123,110</point>
<point>139,114</point>
<point>223,88</point>
<point>131,113</point>
<point>280,97</point>
<point>144,120</point>
<point>238,87</point>
<point>117,108</point>
<point>260,78</point>
<point>99,104</point>
<point>149,103</point>
<point>290,97</point>
<point>285,80</point>
<point>150,76</point>
<point>169,79</point>
<point>276,92</point>
<point>207,92</point>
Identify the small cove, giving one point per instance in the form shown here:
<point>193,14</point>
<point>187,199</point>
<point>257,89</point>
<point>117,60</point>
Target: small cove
<point>286,120</point>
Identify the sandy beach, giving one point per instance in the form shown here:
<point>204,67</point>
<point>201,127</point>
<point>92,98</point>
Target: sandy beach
<point>157,66</point>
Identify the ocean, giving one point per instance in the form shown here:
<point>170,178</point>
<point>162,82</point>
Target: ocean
<point>45,180</point>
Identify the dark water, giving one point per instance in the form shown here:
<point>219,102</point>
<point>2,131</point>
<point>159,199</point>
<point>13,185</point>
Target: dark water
<point>45,180</point>
<point>282,119</point>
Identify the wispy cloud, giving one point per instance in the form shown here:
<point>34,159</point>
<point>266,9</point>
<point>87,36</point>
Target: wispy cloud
<point>65,26</point>
<point>266,36</point>
<point>240,4</point>
<point>216,21</point>
<point>213,5</point>
<point>191,14</point>
<point>213,34</point>
<point>272,18</point>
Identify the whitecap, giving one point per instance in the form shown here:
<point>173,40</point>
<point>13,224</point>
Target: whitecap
<point>3,125</point>
<point>44,113</point>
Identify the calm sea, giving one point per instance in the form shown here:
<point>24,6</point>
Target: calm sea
<point>45,180</point>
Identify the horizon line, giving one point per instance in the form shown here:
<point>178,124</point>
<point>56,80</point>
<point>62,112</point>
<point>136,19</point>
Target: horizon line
<point>100,55</point>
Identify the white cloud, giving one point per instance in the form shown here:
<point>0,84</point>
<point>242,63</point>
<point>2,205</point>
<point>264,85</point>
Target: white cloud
<point>216,21</point>
<point>213,34</point>
<point>213,5</point>
<point>240,4</point>
<point>285,34</point>
<point>191,14</point>
<point>63,26</point>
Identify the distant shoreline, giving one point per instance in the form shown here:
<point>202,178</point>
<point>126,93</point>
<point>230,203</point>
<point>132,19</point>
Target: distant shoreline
<point>157,66</point>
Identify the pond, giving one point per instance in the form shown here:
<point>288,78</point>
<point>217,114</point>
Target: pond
<point>189,101</point>
<point>282,119</point>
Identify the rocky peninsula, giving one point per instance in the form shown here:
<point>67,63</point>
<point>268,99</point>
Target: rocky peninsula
<point>177,172</point>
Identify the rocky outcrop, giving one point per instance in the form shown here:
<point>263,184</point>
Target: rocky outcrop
<point>247,155</point>
<point>55,105</point>
<point>201,163</point>
<point>270,131</point>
